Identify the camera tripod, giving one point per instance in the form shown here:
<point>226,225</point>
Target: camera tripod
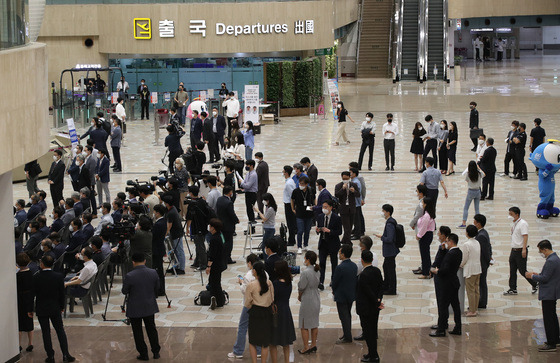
<point>173,258</point>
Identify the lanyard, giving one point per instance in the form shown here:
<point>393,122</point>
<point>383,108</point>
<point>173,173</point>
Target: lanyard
<point>515,225</point>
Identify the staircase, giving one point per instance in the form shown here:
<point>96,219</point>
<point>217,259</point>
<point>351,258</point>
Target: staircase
<point>410,40</point>
<point>373,50</point>
<point>435,39</point>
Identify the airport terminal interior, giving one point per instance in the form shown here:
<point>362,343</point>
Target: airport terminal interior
<point>523,86</point>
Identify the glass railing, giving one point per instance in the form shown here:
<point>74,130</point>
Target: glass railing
<point>12,23</point>
<point>66,2</point>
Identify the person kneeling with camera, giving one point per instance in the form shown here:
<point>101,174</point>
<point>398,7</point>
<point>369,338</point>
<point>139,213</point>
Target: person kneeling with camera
<point>198,217</point>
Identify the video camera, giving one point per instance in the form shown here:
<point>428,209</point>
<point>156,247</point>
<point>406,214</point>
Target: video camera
<point>135,186</point>
<point>137,208</point>
<point>161,178</point>
<point>177,129</point>
<point>121,231</point>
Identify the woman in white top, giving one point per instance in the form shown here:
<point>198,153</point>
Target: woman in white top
<point>235,151</point>
<point>471,269</point>
<point>473,176</point>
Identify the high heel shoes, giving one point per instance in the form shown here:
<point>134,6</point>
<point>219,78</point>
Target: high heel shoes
<point>308,351</point>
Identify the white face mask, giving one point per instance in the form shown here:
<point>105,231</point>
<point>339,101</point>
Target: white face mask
<point>215,113</point>
<point>513,127</point>
<point>81,257</point>
<point>542,255</point>
<point>28,229</point>
<point>442,125</point>
<point>480,142</point>
<point>71,228</point>
<point>382,214</point>
<point>510,218</point>
<point>368,119</point>
<point>444,246</point>
<point>420,128</point>
<point>51,216</point>
<point>55,158</point>
<point>325,211</point>
<point>43,248</point>
<point>338,106</point>
<point>265,202</point>
<point>302,187</point>
<point>346,181</point>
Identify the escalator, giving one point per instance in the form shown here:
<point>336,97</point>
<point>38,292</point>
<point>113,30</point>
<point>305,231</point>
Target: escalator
<point>435,39</point>
<point>409,55</point>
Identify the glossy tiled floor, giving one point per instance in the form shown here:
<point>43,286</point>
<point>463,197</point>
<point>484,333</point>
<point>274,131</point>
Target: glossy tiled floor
<point>504,92</point>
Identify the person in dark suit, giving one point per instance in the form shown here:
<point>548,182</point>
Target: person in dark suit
<point>56,177</point>
<point>141,285</point>
<point>219,129</point>
<point>35,208</point>
<point>322,197</point>
<point>271,249</point>
<point>263,179</point>
<point>312,173</point>
<point>57,223</point>
<point>510,149</point>
<point>43,229</point>
<point>20,215</point>
<point>485,257</point>
<point>78,205</point>
<point>208,137</point>
<point>91,165</point>
<point>99,135</point>
<point>329,227</point>
<point>48,290</point>
<point>173,144</point>
<point>344,291</point>
<point>102,177</point>
<point>32,170</point>
<point>443,234</point>
<point>450,284</point>
<point>487,164</point>
<point>549,292</point>
<point>76,242</point>
<point>35,237</point>
<point>74,170</point>
<point>216,263</point>
<point>473,122</point>
<point>369,296</point>
<point>196,128</point>
<point>144,94</point>
<point>390,250</point>
<point>159,231</point>
<point>87,228</point>
<point>226,214</point>
<point>346,192</point>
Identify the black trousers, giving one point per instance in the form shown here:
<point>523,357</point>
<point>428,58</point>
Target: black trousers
<point>520,162</point>
<point>150,324</point>
<point>260,194</point>
<point>483,288</point>
<point>389,146</point>
<point>369,330</point>
<point>509,157</point>
<point>488,185</point>
<point>145,108</point>
<point>291,223</point>
<point>366,144</point>
<point>157,264</point>
<point>431,145</point>
<point>359,227</point>
<point>390,275</point>
<point>172,157</point>
<point>424,244</point>
<point>344,309</point>
<point>219,142</point>
<point>213,153</point>
<point>56,321</point>
<point>201,259</point>
<point>56,193</point>
<point>323,254</point>
<point>550,319</point>
<point>433,193</point>
<point>93,200</point>
<point>449,296</point>
<point>215,284</point>
<point>250,200</point>
<point>439,294</point>
<point>442,157</point>
<point>117,157</point>
<point>518,263</point>
<point>347,222</point>
<point>228,245</point>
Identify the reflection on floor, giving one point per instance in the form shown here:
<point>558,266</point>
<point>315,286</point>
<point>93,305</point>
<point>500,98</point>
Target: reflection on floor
<point>481,342</point>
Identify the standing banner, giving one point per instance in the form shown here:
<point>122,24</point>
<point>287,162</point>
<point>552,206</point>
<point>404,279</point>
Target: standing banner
<point>98,102</point>
<point>251,103</point>
<point>154,98</point>
<point>333,92</point>
<point>114,97</point>
<point>72,132</point>
<point>167,97</point>
<point>203,96</point>
<point>210,93</point>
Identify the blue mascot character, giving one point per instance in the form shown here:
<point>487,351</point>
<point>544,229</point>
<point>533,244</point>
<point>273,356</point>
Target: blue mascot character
<point>546,157</point>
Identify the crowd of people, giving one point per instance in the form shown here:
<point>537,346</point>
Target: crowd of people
<point>188,205</point>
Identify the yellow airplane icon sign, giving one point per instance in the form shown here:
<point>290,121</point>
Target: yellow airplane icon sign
<point>142,28</point>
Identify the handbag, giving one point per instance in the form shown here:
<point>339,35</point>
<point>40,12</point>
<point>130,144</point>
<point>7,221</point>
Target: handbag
<point>475,133</point>
<point>274,315</point>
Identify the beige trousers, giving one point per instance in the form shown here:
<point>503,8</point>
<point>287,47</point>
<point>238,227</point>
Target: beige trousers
<point>473,292</point>
<point>341,132</point>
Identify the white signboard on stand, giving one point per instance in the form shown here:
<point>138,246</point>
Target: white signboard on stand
<point>72,133</point>
<point>251,110</point>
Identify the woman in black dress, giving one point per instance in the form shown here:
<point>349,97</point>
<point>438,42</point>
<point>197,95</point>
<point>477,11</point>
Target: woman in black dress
<point>417,146</point>
<point>442,146</point>
<point>284,333</point>
<point>451,147</point>
<point>24,280</point>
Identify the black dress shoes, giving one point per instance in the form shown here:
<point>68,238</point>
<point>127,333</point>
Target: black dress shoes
<point>68,358</point>
<point>437,334</point>
<point>321,287</point>
<point>143,357</point>
<point>156,356</point>
<point>359,338</point>
<point>434,327</point>
<point>455,332</point>
<point>49,360</point>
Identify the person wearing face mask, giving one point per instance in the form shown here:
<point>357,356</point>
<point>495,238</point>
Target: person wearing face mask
<point>473,123</point>
<point>91,165</point>
<point>209,137</point>
<point>69,213</point>
<point>519,154</point>
<point>196,128</point>
<point>481,147</point>
<point>302,207</point>
<point>84,180</point>
<point>268,217</point>
<point>173,144</point>
<point>346,192</point>
<point>231,105</point>
<point>368,140</point>
<point>57,223</point>
<point>223,92</point>
<point>510,150</point>
<point>35,237</point>
<point>77,239</point>
<point>549,292</point>
<point>443,234</point>
<point>488,165</point>
<point>116,138</point>
<point>249,139</point>
<point>226,213</point>
<point>105,218</point>
<point>250,185</point>
<point>329,229</point>
<point>431,138</point>
<point>47,249</point>
<point>479,221</point>
<point>452,138</point>
<point>289,186</point>
<point>342,113</point>
<point>417,145</point>
<point>322,196</point>
<point>390,250</point>
<point>518,254</point>
<point>141,241</point>
<point>442,146</point>
<point>79,285</point>
<point>264,182</point>
<point>21,215</point>
<point>425,234</point>
<point>390,131</point>
<point>219,130</point>
<point>56,177</point>
<point>144,94</point>
<point>471,269</point>
<point>181,99</point>
<point>216,263</point>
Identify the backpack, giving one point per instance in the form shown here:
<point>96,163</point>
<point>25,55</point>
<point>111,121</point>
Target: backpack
<point>190,159</point>
<point>400,238</point>
<point>205,297</point>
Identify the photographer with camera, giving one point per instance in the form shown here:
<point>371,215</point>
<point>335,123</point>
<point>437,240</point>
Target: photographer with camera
<point>198,216</point>
<point>229,179</point>
<point>171,190</point>
<point>173,143</point>
<point>146,193</point>
<point>158,245</point>
<point>141,241</point>
<point>183,179</point>
<point>175,232</point>
<point>250,185</point>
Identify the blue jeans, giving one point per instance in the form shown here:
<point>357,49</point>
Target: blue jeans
<point>242,328</point>
<point>268,233</point>
<point>303,228</point>
<point>248,153</point>
<point>179,252</point>
<point>472,194</point>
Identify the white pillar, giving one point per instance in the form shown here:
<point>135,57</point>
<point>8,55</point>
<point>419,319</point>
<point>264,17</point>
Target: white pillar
<point>8,298</point>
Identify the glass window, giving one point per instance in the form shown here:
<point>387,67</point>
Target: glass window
<point>12,23</point>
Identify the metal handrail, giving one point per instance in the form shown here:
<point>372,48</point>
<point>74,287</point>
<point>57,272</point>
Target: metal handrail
<point>399,16</point>
<point>445,42</point>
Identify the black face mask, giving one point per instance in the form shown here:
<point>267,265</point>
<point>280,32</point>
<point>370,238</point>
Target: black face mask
<point>389,120</point>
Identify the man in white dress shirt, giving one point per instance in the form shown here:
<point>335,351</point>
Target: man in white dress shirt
<point>390,130</point>
<point>481,147</point>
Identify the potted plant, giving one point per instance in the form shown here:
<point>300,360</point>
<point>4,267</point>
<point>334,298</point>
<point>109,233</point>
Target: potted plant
<point>457,68</point>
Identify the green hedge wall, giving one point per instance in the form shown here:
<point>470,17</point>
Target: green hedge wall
<point>304,82</point>
<point>273,80</point>
<point>294,82</point>
<point>288,87</point>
